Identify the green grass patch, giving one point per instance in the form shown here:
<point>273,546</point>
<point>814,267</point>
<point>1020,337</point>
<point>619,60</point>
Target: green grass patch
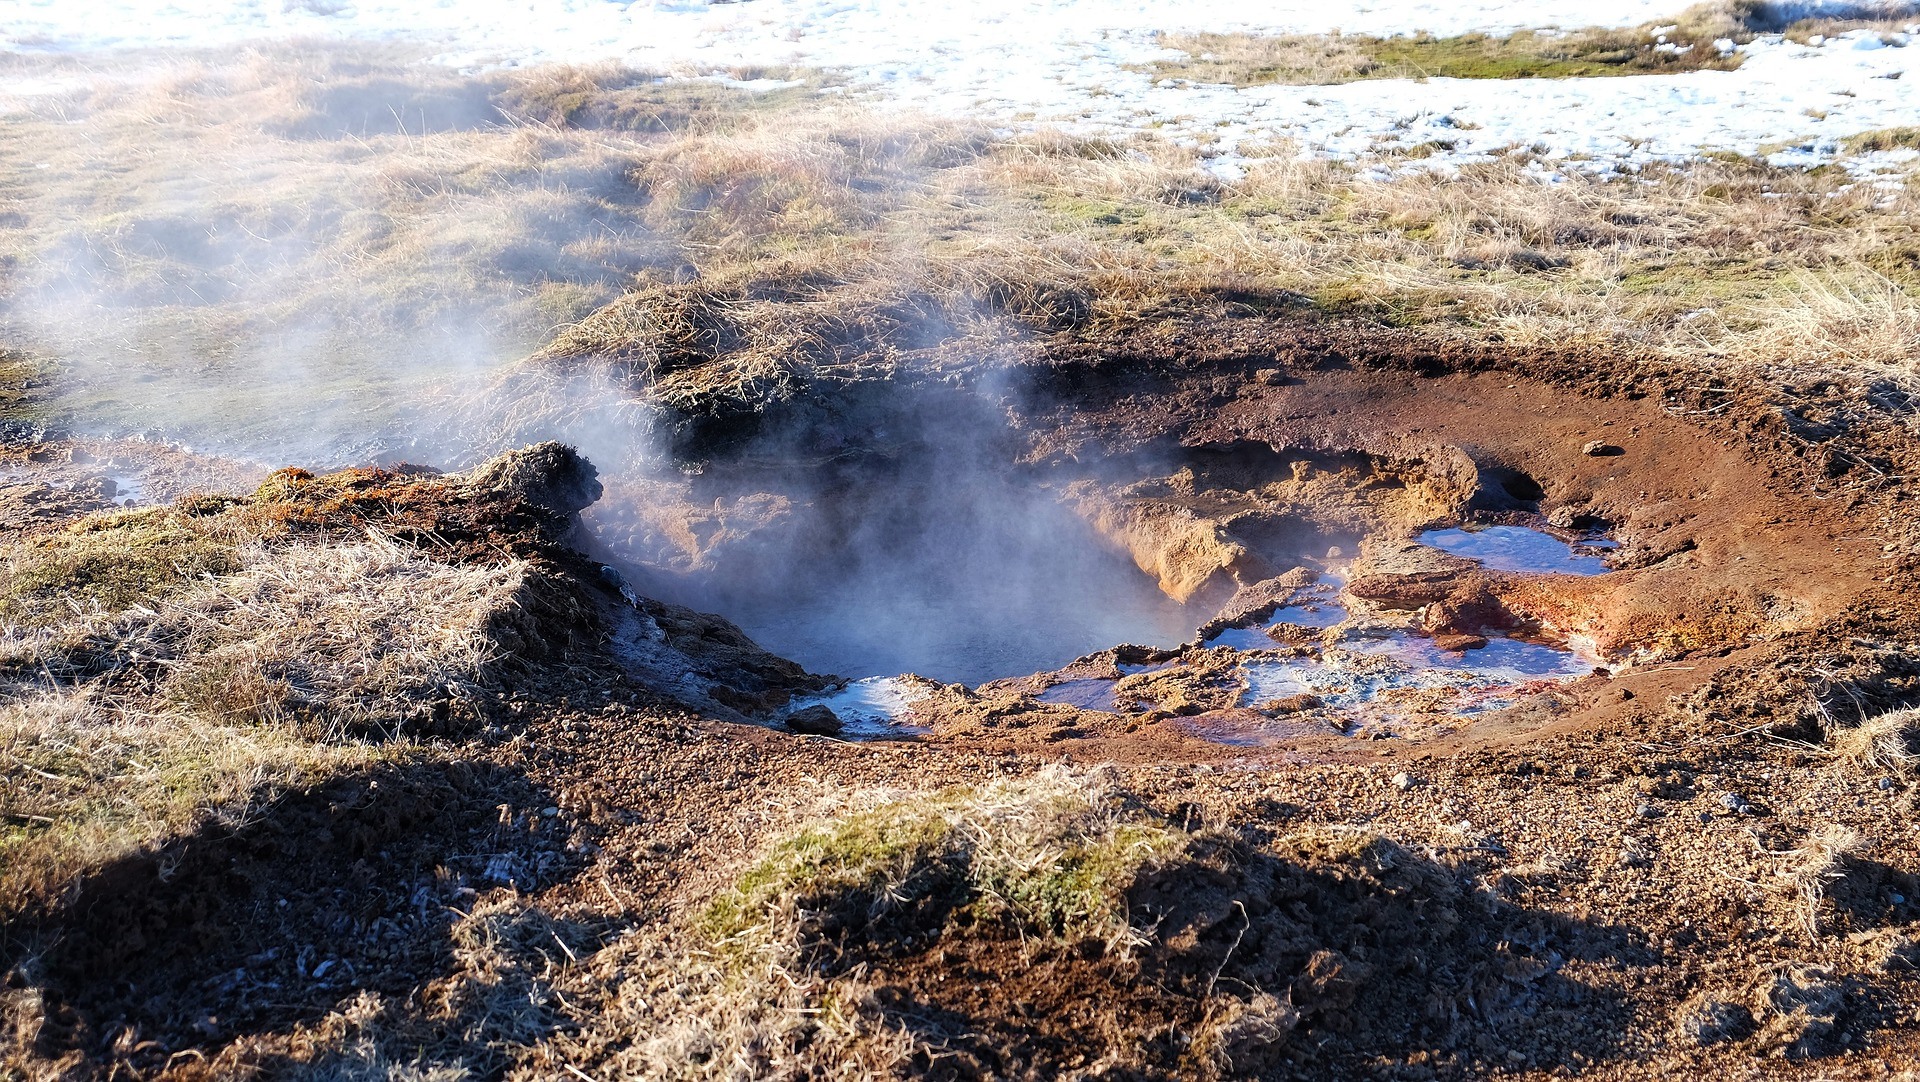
<point>23,384</point>
<point>1047,856</point>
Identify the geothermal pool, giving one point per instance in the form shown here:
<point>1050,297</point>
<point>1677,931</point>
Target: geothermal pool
<point>1367,669</point>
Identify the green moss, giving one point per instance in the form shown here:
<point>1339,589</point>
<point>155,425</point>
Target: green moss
<point>1094,211</point>
<point>109,561</point>
<point>1083,886</point>
<point>1526,55</point>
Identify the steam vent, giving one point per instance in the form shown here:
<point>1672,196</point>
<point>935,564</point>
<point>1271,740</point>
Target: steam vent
<point>1115,542</point>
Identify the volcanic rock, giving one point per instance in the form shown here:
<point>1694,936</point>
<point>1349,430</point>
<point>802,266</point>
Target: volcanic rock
<point>815,720</point>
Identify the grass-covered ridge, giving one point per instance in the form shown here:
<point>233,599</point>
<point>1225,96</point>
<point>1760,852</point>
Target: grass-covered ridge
<point>870,249</point>
<point>1703,37</point>
<point>169,669</point>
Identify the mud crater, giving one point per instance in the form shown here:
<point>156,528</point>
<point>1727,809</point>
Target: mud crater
<point>966,558</point>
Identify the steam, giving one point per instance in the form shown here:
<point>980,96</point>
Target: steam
<point>320,258</point>
<point>892,534</point>
<point>299,256</point>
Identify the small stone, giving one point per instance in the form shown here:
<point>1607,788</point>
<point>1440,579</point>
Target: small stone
<point>101,487</point>
<point>1602,449</point>
<point>1733,802</point>
<point>1460,643</point>
<point>549,812</point>
<point>1564,517</point>
<point>1648,811</point>
<point>816,720</point>
<point>1404,781</point>
<point>1884,784</point>
<point>1294,704</point>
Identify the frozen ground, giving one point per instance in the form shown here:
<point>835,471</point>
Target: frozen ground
<point>1072,62</point>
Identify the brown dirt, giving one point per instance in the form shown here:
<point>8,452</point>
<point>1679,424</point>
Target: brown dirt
<point>1555,890</point>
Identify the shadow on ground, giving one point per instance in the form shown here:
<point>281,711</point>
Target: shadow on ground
<point>1332,951</point>
<point>350,886</point>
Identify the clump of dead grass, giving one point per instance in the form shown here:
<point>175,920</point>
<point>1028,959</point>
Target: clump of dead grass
<point>1889,743</point>
<point>1822,861</point>
<point>351,638</point>
<point>1799,1007</point>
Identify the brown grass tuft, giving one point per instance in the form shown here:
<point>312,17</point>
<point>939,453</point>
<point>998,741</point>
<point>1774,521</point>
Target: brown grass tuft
<point>1888,743</point>
<point>1823,859</point>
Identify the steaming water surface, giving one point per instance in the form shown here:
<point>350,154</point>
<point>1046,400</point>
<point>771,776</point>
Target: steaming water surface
<point>958,634</point>
<point>994,584</point>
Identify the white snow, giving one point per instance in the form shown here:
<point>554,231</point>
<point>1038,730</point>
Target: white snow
<point>1073,63</point>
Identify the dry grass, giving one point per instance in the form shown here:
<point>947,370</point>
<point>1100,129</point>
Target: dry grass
<point>699,243</point>
<point>106,563</point>
<point>1887,744</point>
<point>351,638</point>
<point>1731,263</point>
<point>1823,860</point>
<point>123,730</point>
<point>250,236</point>
<point>84,782</point>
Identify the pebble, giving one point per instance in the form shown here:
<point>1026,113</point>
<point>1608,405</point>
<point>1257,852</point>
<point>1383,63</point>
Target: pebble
<point>1404,781</point>
<point>1600,448</point>
<point>1732,802</point>
<point>1648,811</point>
<point>1884,784</point>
